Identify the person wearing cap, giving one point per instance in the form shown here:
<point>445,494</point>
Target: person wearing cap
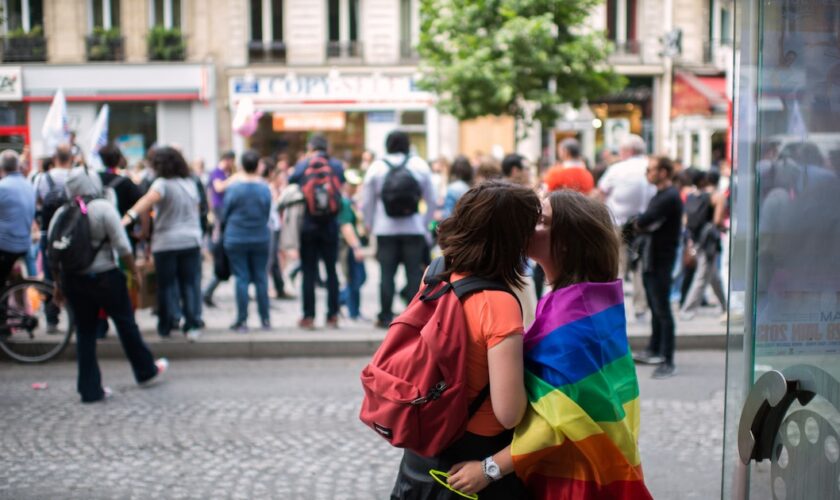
<point>354,259</point>
<point>216,185</point>
<point>318,241</point>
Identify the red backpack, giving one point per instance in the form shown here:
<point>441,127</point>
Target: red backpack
<point>321,189</point>
<point>416,384</point>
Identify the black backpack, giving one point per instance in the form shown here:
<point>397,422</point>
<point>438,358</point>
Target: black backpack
<point>401,193</point>
<point>55,198</point>
<point>321,189</point>
<point>70,249</point>
<point>698,211</point>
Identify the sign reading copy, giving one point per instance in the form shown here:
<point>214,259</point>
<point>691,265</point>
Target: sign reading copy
<point>11,83</point>
<point>291,122</point>
<point>315,88</point>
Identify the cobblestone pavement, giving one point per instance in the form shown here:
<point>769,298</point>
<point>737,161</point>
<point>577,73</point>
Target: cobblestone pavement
<point>285,429</point>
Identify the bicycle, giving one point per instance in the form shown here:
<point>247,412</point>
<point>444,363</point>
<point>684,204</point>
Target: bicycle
<point>26,333</point>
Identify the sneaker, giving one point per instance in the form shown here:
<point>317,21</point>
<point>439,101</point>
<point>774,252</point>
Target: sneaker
<point>107,393</point>
<point>239,327</point>
<point>266,325</point>
<point>306,323</point>
<point>665,370</point>
<point>208,301</point>
<point>162,365</point>
<point>332,322</point>
<point>285,296</point>
<point>687,315</point>
<point>648,358</point>
<point>382,324</point>
<point>193,335</point>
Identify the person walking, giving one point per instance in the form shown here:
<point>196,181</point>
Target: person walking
<point>17,211</point>
<point>217,183</point>
<point>627,193</point>
<point>176,241</point>
<point>320,179</point>
<point>101,286</point>
<point>246,238</point>
<point>661,225</point>
<point>349,222</point>
<point>391,195</point>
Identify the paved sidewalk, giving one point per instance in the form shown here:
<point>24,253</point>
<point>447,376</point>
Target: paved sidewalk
<point>705,331</point>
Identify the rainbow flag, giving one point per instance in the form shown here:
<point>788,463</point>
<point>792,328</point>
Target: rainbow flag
<point>579,437</point>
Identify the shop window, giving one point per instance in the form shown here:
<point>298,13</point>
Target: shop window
<point>133,123</point>
<point>23,16</point>
<point>343,29</point>
<point>266,43</point>
<point>166,13</point>
<point>11,114</point>
<point>413,118</point>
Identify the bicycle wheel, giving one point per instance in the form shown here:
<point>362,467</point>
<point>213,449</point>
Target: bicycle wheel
<point>33,329</point>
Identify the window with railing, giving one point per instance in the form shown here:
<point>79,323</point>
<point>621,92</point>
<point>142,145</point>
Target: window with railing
<point>105,42</point>
<point>343,29</point>
<point>621,26</point>
<point>23,40</point>
<point>166,40</point>
<point>266,43</point>
<point>720,29</point>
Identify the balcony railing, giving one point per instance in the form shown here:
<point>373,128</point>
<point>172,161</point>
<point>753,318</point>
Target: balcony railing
<point>344,50</point>
<point>711,47</point>
<point>260,51</point>
<point>167,44</point>
<point>104,48</point>
<point>408,51</point>
<point>26,47</point>
<point>628,48</point>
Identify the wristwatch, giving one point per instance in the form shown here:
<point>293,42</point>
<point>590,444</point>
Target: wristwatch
<point>491,469</point>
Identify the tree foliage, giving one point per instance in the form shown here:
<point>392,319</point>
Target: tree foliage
<point>496,56</point>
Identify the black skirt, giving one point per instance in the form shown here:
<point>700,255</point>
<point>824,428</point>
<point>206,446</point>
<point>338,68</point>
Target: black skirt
<point>415,483</point>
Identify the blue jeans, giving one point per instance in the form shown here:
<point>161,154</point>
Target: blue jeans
<point>87,294</point>
<point>356,277</point>
<point>179,289</point>
<point>248,262</point>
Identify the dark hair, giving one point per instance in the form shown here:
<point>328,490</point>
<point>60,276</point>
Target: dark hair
<point>397,142</point>
<point>46,163</point>
<point>510,162</point>
<point>571,146</point>
<point>713,178</point>
<point>488,169</point>
<point>318,143</point>
<point>250,160</point>
<point>461,169</point>
<point>110,155</point>
<point>270,166</point>
<point>9,161</point>
<point>664,163</point>
<point>584,242</point>
<point>168,163</point>
<point>63,154</point>
<point>229,155</point>
<point>488,232</point>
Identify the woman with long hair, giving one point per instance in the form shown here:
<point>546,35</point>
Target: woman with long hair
<point>579,436</point>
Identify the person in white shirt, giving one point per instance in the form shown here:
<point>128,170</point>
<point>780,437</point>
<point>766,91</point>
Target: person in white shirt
<point>625,190</point>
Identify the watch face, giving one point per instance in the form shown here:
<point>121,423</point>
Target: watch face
<point>493,469</point>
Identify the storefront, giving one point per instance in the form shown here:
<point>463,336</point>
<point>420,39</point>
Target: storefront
<point>149,104</point>
<point>782,426</point>
<point>699,120</point>
<point>355,109</point>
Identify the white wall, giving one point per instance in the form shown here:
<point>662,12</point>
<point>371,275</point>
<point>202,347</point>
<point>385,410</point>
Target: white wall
<point>376,132</point>
<point>306,36</point>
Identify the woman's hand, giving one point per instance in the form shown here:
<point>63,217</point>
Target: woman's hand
<point>468,477</point>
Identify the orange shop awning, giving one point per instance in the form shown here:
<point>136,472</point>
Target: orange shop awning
<point>698,95</point>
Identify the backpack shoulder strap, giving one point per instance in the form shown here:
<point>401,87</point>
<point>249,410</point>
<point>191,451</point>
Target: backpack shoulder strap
<point>436,268</point>
<point>478,401</point>
<point>50,181</point>
<point>116,181</point>
<point>472,284</point>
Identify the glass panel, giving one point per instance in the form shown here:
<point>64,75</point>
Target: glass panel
<point>127,118</point>
<point>256,20</point>
<point>14,15</point>
<point>277,19</point>
<point>36,13</point>
<point>611,19</point>
<point>12,114</point>
<point>405,25</point>
<point>333,17</point>
<point>96,10</point>
<point>176,13</point>
<point>786,225</point>
<point>157,12</point>
<point>115,13</point>
<point>354,20</point>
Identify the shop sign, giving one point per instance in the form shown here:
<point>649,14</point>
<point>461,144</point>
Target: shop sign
<point>11,83</point>
<point>327,88</point>
<point>297,122</point>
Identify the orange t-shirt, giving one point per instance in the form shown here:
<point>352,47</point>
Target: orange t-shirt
<point>576,178</point>
<point>492,316</point>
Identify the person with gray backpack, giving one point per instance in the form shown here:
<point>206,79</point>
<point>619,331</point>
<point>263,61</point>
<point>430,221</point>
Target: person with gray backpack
<point>84,237</point>
<point>391,195</point>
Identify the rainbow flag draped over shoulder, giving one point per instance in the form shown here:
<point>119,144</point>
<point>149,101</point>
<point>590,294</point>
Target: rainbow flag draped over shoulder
<point>579,437</point>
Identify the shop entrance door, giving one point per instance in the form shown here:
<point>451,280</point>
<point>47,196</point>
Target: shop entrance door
<point>14,137</point>
<point>782,425</point>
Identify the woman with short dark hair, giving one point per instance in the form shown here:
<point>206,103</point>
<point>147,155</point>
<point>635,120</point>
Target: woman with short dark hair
<point>579,435</point>
<point>176,241</point>
<point>486,236</point>
<point>246,238</point>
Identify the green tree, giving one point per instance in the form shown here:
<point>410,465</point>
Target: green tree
<point>494,57</point>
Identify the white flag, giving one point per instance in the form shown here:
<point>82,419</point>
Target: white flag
<point>98,138</point>
<point>56,129</point>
